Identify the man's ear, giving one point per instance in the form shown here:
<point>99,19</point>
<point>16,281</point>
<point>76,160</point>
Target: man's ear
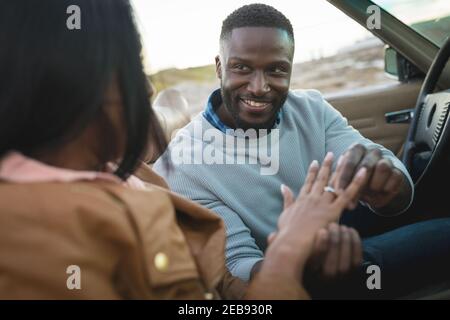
<point>218,67</point>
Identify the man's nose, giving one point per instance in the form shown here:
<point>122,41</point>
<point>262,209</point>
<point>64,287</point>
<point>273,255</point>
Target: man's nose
<point>258,85</point>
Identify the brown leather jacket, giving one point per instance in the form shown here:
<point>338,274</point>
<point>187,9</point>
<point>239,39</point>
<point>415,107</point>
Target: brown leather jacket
<point>134,244</point>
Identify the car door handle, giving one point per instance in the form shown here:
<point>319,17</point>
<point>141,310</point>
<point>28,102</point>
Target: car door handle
<point>402,116</point>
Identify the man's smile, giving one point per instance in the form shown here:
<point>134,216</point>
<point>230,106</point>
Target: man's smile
<point>253,106</point>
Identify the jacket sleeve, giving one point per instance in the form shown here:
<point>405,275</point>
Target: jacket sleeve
<point>281,288</point>
<point>231,288</point>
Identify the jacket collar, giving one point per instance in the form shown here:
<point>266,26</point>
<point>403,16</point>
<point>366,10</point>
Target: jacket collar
<point>17,168</point>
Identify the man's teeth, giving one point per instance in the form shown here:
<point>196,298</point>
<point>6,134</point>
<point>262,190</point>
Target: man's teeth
<point>255,104</point>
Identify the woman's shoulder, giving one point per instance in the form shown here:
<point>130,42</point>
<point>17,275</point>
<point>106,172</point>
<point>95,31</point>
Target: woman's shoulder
<point>46,228</point>
<point>87,201</point>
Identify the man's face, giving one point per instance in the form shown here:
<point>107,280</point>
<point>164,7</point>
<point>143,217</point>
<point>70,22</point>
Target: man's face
<point>255,71</point>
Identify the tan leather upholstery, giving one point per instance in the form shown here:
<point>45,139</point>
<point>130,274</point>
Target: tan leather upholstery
<point>172,110</point>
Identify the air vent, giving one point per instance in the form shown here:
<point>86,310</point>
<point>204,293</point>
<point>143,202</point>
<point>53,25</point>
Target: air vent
<point>431,115</point>
<point>440,123</point>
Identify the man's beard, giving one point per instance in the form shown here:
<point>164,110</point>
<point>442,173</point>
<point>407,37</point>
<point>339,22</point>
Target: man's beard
<point>232,106</point>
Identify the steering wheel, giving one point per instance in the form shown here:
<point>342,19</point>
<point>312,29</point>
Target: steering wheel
<point>429,130</point>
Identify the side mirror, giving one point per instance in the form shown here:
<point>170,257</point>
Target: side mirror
<point>397,66</point>
<point>390,62</point>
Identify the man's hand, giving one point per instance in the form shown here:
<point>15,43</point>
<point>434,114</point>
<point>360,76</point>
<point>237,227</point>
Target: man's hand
<point>337,251</point>
<point>387,189</point>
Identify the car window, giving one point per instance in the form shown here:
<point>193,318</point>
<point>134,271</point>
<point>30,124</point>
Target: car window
<point>333,52</point>
<point>430,18</point>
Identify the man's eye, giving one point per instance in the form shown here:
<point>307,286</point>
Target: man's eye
<point>241,67</point>
<point>279,70</point>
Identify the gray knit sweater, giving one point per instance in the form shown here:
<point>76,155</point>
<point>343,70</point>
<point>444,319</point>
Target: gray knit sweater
<point>244,195</point>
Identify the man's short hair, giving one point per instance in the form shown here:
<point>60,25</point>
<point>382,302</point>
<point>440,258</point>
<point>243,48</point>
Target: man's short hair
<point>256,15</point>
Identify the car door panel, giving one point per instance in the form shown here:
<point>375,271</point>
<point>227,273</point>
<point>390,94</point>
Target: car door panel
<point>366,110</point>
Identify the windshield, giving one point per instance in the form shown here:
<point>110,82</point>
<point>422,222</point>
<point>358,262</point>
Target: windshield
<point>430,18</point>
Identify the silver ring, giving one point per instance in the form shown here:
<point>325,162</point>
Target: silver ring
<point>330,189</point>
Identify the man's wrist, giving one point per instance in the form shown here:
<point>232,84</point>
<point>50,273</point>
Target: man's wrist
<point>400,203</point>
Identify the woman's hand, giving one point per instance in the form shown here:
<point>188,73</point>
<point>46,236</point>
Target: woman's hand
<point>314,209</point>
<point>298,224</point>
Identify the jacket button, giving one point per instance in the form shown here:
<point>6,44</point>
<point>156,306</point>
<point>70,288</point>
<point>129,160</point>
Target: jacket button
<point>161,261</point>
<point>209,296</point>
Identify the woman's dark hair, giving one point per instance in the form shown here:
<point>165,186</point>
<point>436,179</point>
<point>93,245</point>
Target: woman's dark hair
<point>53,79</point>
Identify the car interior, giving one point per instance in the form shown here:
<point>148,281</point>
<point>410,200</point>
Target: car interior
<point>409,117</point>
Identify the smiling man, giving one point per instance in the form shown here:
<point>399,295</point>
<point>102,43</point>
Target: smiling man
<point>254,67</point>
